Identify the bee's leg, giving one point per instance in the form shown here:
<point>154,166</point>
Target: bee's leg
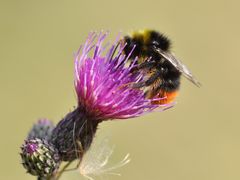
<point>155,90</point>
<point>148,82</point>
<point>144,65</point>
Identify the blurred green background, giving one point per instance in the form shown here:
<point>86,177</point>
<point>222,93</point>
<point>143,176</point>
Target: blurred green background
<point>198,139</point>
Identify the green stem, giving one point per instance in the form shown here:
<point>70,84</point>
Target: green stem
<point>59,174</point>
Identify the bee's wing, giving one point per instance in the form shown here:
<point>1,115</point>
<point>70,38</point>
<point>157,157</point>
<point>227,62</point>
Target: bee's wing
<point>179,65</point>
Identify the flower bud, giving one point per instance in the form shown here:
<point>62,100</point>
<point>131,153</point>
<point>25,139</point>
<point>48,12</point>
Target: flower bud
<point>41,130</point>
<point>39,158</point>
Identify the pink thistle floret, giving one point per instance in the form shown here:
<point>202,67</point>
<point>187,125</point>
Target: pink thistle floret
<point>103,83</point>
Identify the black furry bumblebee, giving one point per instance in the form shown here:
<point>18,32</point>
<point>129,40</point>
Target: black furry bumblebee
<point>163,70</point>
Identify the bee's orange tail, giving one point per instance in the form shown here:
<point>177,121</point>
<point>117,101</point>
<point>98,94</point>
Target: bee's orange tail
<point>168,97</point>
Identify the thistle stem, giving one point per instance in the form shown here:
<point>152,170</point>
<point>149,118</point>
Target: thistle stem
<point>59,174</point>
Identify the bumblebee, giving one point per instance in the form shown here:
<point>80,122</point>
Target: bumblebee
<point>163,70</point>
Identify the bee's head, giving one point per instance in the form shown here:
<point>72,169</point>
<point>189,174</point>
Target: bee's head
<point>131,43</point>
<point>159,40</point>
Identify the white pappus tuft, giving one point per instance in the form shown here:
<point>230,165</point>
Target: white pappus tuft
<point>96,161</point>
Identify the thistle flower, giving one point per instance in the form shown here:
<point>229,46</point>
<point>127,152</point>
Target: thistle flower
<point>103,83</point>
<point>104,88</point>
<point>39,158</point>
<point>42,129</point>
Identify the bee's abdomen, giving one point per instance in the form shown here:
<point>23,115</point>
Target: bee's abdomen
<point>167,97</point>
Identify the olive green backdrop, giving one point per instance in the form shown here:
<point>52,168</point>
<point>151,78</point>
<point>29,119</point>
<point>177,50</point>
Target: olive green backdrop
<point>199,139</point>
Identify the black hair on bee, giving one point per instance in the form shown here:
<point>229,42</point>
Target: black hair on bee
<point>154,57</point>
